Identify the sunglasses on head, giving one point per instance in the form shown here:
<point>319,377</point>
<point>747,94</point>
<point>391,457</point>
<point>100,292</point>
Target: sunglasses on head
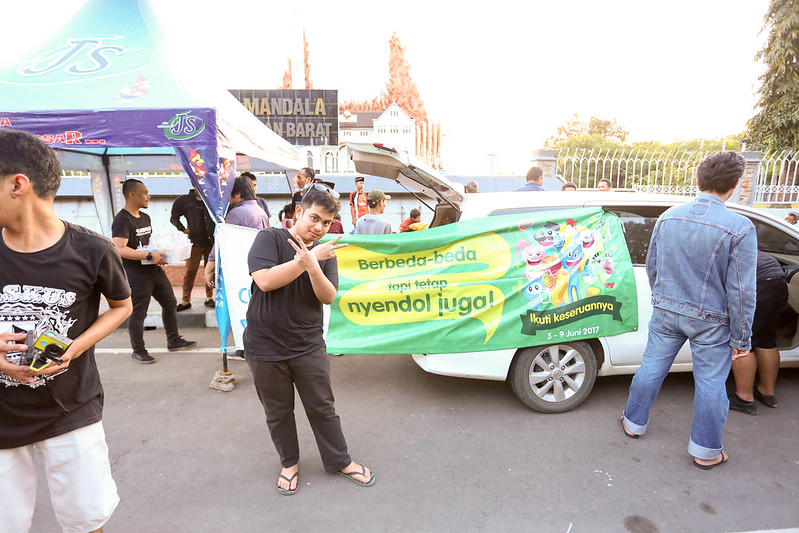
<point>324,188</point>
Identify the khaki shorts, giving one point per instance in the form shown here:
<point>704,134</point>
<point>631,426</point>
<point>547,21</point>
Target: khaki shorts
<point>82,490</point>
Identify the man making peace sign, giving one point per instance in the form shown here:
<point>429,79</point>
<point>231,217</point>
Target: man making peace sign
<point>293,276</point>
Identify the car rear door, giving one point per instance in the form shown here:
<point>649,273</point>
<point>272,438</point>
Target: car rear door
<point>638,221</point>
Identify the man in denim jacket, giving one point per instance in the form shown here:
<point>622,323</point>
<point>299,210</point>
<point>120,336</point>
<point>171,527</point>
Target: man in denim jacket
<point>701,265</point>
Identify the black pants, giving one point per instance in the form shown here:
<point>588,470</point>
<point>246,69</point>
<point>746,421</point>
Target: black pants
<point>275,382</point>
<point>772,295</point>
<point>146,282</point>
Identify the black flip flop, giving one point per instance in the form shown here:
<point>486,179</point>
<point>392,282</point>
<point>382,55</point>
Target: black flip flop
<point>626,433</point>
<point>724,459</point>
<point>350,476</point>
<point>289,492</point>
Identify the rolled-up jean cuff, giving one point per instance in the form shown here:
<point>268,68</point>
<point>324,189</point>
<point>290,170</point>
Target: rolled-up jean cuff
<point>632,427</point>
<point>700,452</point>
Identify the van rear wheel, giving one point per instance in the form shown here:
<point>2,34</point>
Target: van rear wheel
<point>554,378</point>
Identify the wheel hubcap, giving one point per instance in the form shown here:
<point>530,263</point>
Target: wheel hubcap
<point>557,373</point>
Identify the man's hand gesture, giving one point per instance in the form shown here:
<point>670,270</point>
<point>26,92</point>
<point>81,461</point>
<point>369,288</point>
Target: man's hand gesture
<point>309,260</point>
<point>328,249</point>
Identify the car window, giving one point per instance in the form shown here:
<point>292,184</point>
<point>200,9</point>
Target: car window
<point>638,223</point>
<point>772,240</point>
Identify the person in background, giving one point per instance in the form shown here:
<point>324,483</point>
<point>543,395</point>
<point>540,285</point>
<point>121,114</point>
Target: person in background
<point>293,275</point>
<point>302,180</point>
<point>372,223</point>
<point>358,201</point>
<point>604,185</point>
<point>244,211</point>
<point>200,229</point>
<point>416,216</point>
<point>471,187</point>
<point>772,295</point>
<point>569,186</point>
<point>336,226</point>
<point>703,293</point>
<point>261,202</point>
<point>130,231</point>
<point>286,216</point>
<point>792,217</point>
<point>58,271</point>
<point>535,180</point>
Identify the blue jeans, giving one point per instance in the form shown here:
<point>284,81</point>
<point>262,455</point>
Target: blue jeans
<point>712,358</point>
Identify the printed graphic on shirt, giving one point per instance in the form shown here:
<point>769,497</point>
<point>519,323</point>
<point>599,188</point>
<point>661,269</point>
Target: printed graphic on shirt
<point>28,307</point>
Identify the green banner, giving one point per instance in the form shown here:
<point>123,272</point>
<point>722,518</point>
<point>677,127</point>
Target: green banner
<point>487,284</point>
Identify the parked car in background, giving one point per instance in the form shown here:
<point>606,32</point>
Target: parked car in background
<point>557,377</point>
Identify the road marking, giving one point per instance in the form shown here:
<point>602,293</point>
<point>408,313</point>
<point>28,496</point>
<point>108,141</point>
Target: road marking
<point>156,350</point>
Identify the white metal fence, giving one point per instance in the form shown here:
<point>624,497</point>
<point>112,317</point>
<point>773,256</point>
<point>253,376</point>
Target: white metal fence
<point>776,178</point>
<point>671,172</point>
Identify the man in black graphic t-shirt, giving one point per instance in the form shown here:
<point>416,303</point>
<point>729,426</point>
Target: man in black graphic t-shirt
<point>293,276</point>
<point>52,277</point>
<point>131,230</point>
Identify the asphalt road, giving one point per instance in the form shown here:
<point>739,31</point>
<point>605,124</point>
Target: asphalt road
<point>449,454</point>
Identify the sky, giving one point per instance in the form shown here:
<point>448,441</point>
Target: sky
<point>499,76</point>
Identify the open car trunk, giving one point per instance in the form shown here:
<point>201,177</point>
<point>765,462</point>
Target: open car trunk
<point>385,162</point>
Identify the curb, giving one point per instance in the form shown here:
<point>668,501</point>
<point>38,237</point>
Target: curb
<point>190,318</point>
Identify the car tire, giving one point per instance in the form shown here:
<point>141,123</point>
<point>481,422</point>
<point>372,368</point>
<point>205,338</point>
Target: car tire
<point>553,378</point>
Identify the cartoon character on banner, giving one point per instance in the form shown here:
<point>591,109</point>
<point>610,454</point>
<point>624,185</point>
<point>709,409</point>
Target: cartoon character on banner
<point>568,260</point>
<point>539,254</point>
<point>537,293</point>
<point>224,170</point>
<point>599,269</point>
<point>573,259</point>
<point>197,162</point>
<point>533,256</point>
<point>547,238</point>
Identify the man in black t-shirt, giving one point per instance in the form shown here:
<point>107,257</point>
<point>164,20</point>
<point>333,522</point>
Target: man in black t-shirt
<point>52,277</point>
<point>293,276</point>
<point>131,230</point>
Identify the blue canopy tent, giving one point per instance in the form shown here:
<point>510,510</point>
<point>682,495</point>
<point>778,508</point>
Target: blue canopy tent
<point>100,86</point>
<point>101,92</point>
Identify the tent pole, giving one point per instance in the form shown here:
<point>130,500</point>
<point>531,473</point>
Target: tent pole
<point>107,165</point>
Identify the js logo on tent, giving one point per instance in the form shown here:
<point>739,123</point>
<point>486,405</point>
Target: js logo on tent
<point>183,126</point>
<point>80,60</point>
